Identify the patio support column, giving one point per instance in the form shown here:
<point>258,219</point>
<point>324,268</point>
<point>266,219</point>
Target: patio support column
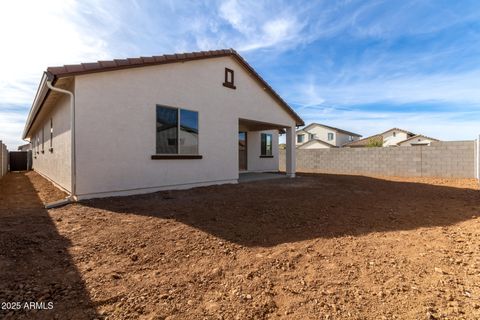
<point>290,152</point>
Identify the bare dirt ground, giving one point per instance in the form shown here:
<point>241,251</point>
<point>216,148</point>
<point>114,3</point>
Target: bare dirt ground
<point>315,247</point>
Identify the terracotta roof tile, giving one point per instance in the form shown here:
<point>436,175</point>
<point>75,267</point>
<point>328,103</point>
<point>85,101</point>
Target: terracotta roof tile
<point>148,59</point>
<point>417,136</point>
<point>122,62</point>
<point>59,70</point>
<point>365,141</point>
<point>329,127</point>
<point>91,66</point>
<point>107,64</point>
<point>74,68</point>
<point>159,58</point>
<point>135,61</point>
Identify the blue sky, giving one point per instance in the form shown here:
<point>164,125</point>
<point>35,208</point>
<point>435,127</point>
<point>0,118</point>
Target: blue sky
<point>364,66</point>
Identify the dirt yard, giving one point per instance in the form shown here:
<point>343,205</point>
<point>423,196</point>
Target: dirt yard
<point>315,247</point>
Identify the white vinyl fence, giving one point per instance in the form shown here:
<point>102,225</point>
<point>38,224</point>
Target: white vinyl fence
<point>3,159</point>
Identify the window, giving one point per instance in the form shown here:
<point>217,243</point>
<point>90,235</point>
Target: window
<point>229,79</point>
<point>394,134</point>
<point>177,131</point>
<point>51,135</point>
<point>300,138</point>
<point>43,139</point>
<point>312,136</point>
<point>350,138</point>
<point>330,136</point>
<point>188,132</point>
<point>266,145</point>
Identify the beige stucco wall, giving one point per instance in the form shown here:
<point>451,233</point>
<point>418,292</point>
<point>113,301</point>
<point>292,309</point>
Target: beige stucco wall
<point>342,138</point>
<point>305,137</point>
<point>3,159</point>
<point>115,125</point>
<point>255,163</point>
<point>390,140</point>
<point>420,140</point>
<point>54,165</point>
<point>322,134</point>
<point>315,145</point>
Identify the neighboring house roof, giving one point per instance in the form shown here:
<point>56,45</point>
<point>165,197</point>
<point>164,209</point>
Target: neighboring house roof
<point>416,137</point>
<point>316,140</point>
<point>365,141</point>
<point>398,129</point>
<point>329,127</point>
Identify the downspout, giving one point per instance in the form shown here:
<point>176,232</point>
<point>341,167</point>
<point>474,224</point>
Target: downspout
<point>50,78</point>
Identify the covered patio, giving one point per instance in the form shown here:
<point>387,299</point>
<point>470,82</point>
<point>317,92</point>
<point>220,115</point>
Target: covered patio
<point>258,144</point>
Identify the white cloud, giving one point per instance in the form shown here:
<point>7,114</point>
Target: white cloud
<point>454,89</point>
<point>261,25</point>
<point>11,124</point>
<point>35,35</point>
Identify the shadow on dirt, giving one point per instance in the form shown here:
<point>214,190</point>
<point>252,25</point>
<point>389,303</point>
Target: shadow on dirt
<point>268,213</point>
<point>35,265</point>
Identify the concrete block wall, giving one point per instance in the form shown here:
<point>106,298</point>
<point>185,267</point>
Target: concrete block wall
<point>454,159</point>
<point>477,158</point>
<point>3,159</point>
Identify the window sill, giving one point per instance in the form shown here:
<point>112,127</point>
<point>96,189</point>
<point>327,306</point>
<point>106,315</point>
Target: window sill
<point>229,85</point>
<point>176,156</point>
<point>266,156</point>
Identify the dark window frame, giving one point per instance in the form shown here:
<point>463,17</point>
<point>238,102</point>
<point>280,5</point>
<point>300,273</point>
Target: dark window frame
<point>178,154</point>
<point>302,136</point>
<point>229,81</point>
<point>265,152</point>
<point>43,139</point>
<point>330,134</point>
<point>51,135</point>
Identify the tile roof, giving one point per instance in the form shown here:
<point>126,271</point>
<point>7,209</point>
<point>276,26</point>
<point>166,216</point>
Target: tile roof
<point>118,64</point>
<point>398,129</point>
<point>329,127</point>
<point>316,140</point>
<point>365,141</point>
<point>417,136</point>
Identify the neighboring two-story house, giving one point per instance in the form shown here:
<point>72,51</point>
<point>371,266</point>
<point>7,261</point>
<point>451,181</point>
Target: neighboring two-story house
<point>320,136</point>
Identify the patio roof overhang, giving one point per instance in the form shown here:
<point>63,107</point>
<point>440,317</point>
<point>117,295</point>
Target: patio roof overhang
<point>254,125</point>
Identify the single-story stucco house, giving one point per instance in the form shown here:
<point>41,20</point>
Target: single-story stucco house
<point>146,124</point>
<point>393,138</point>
